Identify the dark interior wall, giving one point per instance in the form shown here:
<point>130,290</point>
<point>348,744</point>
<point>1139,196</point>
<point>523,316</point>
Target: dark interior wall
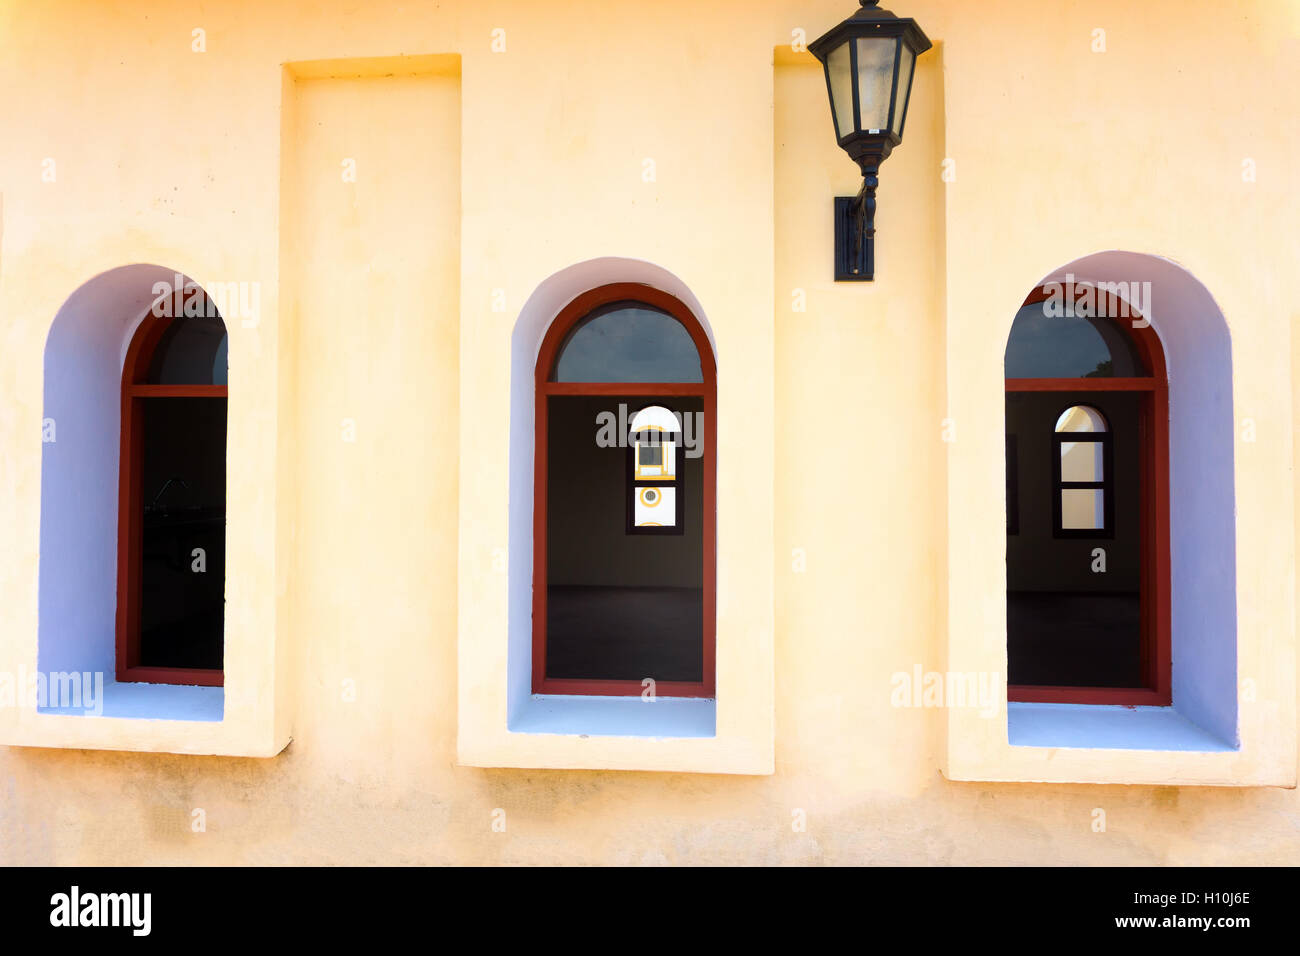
<point>587,539</point>
<point>184,438</point>
<point>1037,561</point>
<point>181,612</point>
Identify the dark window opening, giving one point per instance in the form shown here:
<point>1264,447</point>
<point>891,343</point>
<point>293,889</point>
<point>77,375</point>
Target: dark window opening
<point>1069,622</point>
<point>183,551</point>
<point>1087,545</point>
<point>624,501</point>
<point>620,606</point>
<point>172,484</point>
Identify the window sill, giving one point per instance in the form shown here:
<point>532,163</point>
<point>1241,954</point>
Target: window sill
<point>1109,744</point>
<point>669,735</point>
<point>1108,727</point>
<point>663,718</point>
<point>152,702</point>
<point>150,718</point>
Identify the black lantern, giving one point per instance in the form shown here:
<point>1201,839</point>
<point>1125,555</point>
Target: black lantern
<point>870,60</point>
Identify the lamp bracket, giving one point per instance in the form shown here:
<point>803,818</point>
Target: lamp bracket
<point>855,231</point>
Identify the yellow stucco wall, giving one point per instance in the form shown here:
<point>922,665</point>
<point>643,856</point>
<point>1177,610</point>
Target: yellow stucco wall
<point>481,174</point>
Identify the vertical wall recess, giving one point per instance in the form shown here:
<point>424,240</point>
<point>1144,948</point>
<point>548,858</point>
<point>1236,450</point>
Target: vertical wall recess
<point>370,248</point>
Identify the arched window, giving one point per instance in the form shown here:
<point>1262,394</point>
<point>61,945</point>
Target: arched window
<point>1087,420</point>
<point>624,531</point>
<point>1083,501</point>
<point>172,489</point>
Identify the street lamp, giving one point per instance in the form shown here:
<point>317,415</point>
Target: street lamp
<point>870,60</point>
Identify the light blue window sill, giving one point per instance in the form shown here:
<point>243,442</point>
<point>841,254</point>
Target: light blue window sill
<point>663,718</point>
<point>152,702</point>
<point>1108,727</point>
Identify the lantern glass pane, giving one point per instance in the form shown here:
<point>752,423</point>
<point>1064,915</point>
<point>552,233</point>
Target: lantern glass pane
<point>839,74</point>
<point>875,81</point>
<point>905,66</point>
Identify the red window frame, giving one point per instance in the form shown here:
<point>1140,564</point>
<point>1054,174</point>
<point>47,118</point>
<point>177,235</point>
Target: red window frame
<point>130,536</point>
<point>1153,440</point>
<point>544,388</point>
